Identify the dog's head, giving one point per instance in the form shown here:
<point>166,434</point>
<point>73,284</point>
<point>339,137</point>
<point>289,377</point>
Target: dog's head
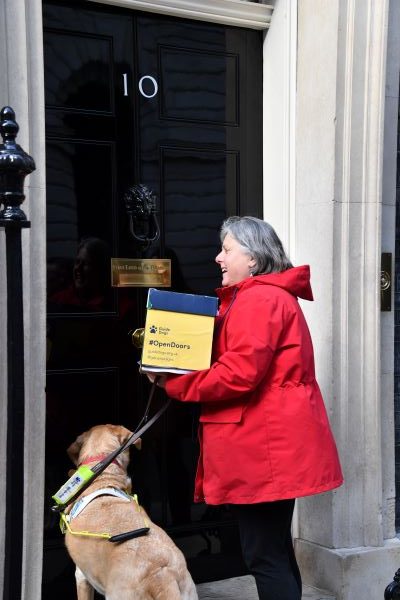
<point>100,441</point>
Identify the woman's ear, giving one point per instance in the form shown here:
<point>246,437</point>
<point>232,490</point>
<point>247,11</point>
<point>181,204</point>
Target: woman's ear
<point>252,263</point>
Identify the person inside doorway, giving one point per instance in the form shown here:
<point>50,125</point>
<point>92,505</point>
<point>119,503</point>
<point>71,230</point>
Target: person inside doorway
<point>265,438</point>
<point>90,287</point>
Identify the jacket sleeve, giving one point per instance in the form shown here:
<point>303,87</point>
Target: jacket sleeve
<point>252,332</point>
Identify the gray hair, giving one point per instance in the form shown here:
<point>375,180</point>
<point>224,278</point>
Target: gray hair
<point>260,240</point>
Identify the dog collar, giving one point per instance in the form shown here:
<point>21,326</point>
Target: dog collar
<point>96,459</point>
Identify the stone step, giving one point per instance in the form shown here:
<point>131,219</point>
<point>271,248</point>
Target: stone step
<point>244,588</point>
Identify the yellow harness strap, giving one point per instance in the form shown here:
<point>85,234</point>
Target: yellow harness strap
<point>65,526</point>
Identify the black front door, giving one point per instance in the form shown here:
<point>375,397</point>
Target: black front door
<point>134,98</point>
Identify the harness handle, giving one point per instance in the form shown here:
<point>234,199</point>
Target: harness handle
<point>128,535</point>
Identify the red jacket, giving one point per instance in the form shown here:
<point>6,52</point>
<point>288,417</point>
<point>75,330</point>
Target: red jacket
<point>264,433</point>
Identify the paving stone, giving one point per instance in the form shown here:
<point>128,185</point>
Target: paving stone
<point>310,593</point>
<point>244,588</point>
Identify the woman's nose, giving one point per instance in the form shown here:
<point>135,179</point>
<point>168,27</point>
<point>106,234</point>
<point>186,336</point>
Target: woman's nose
<point>218,258</point>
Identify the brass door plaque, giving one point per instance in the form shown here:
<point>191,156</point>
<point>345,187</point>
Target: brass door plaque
<point>141,272</point>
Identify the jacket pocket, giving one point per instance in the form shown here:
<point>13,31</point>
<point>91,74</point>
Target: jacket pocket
<point>217,412</point>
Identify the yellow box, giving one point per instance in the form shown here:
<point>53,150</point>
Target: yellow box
<point>178,332</point>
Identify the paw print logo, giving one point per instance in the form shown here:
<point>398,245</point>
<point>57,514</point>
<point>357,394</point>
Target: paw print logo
<point>153,329</point>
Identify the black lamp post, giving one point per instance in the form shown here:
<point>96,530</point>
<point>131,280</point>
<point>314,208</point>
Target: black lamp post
<point>15,164</point>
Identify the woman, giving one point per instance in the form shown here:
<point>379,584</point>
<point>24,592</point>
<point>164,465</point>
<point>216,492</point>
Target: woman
<point>264,433</point>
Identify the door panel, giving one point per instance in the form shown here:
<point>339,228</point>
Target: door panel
<point>193,186</point>
<point>88,69</point>
<point>134,98</point>
<point>78,206</point>
<point>195,85</point>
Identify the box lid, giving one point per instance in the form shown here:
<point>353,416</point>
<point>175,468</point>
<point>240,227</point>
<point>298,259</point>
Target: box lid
<point>186,303</point>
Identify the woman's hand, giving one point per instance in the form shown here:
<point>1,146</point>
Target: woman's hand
<point>155,377</point>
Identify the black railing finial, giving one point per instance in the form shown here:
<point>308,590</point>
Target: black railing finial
<point>392,591</point>
<point>15,165</point>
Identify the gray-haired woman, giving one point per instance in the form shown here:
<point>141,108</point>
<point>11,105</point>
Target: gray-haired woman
<point>264,433</point>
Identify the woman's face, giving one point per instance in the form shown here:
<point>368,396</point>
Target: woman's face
<point>85,273</point>
<point>235,264</point>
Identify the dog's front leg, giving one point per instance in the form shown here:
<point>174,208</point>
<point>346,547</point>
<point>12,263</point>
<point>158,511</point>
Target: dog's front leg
<point>83,588</point>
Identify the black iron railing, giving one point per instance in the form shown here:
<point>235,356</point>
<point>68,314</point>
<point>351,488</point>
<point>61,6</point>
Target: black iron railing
<point>15,164</point>
<point>392,591</point>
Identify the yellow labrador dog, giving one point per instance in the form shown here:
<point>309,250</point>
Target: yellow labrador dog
<point>147,567</point>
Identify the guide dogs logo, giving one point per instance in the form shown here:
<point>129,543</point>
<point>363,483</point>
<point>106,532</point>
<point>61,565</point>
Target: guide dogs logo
<point>153,329</point>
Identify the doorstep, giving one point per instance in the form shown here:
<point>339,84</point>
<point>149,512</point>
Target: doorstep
<point>244,588</point>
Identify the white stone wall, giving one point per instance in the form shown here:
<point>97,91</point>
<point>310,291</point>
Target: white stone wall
<point>279,122</point>
<point>388,245</point>
<point>346,539</point>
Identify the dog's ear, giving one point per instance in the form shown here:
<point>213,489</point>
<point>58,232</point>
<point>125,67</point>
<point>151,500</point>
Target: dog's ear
<point>124,434</point>
<point>75,448</point>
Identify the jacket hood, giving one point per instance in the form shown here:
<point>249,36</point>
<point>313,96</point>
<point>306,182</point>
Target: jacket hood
<point>296,281</point>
